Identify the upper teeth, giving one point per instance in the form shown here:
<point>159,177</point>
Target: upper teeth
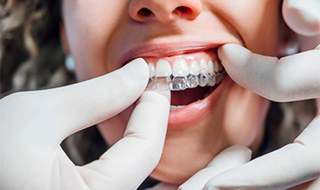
<point>180,68</point>
<point>184,75</point>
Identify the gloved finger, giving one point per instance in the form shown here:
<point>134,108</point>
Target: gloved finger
<point>135,156</point>
<point>56,113</point>
<point>303,17</point>
<point>291,78</point>
<point>227,159</point>
<point>289,166</point>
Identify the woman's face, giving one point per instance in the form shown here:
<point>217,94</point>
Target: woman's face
<point>104,35</point>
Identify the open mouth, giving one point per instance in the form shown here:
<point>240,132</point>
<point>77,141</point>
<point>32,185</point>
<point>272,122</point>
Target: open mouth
<point>194,74</point>
<point>191,77</point>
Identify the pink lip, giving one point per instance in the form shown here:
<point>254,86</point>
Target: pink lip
<point>165,50</point>
<point>195,111</point>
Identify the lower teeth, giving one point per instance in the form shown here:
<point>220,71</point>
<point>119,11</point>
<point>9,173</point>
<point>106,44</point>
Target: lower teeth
<point>176,107</point>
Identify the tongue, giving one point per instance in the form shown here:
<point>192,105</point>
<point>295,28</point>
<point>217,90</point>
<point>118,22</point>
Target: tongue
<point>185,97</point>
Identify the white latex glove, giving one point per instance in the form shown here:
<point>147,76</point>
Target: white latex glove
<point>33,124</point>
<point>303,17</point>
<point>227,159</point>
<point>291,78</point>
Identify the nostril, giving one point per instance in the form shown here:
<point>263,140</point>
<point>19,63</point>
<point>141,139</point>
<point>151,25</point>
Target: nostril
<point>152,10</point>
<point>187,12</point>
<point>183,10</point>
<point>144,12</point>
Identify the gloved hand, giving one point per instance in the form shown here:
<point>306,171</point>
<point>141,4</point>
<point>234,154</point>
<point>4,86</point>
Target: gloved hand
<point>291,78</point>
<point>33,124</point>
<point>229,158</point>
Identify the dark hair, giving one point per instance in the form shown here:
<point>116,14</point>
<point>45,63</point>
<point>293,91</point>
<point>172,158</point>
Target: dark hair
<point>31,55</point>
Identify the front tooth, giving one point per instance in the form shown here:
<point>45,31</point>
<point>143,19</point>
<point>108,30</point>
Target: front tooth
<point>210,67</point>
<point>203,66</point>
<point>163,68</point>
<point>180,68</point>
<point>194,68</point>
<point>192,81</point>
<point>151,70</point>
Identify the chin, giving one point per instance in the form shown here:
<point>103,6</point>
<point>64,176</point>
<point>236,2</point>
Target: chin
<point>209,112</point>
<point>189,148</point>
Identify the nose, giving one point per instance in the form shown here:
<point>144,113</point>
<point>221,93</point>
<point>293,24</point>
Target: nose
<point>164,10</point>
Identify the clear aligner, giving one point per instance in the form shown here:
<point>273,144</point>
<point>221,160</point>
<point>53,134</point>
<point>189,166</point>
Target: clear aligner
<point>177,83</point>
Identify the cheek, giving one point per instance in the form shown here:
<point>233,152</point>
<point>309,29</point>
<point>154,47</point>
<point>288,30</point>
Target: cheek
<point>89,27</point>
<point>258,26</point>
<point>245,114</point>
<point>264,37</point>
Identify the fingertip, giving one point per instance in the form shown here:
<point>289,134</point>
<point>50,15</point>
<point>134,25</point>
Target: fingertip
<point>136,71</point>
<point>160,99</point>
<point>158,93</point>
<point>160,86</point>
<point>242,151</point>
<point>221,52</point>
<point>152,110</point>
<point>239,148</point>
<point>234,154</point>
<point>232,47</point>
<point>233,54</point>
<point>225,50</point>
<point>302,17</point>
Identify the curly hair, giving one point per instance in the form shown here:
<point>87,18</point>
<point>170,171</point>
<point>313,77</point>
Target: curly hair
<point>32,58</point>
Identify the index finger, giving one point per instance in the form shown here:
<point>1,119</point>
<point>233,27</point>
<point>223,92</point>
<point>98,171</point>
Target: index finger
<point>302,16</point>
<point>56,113</point>
<point>291,165</point>
<point>135,155</point>
<point>290,78</point>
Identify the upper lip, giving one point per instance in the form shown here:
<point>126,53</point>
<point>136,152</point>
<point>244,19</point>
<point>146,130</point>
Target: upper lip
<point>165,50</point>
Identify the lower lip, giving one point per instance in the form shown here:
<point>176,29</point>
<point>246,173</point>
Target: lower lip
<point>196,111</point>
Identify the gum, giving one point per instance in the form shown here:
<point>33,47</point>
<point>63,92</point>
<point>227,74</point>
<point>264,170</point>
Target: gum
<point>189,57</point>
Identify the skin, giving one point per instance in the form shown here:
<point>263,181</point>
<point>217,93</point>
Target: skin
<point>97,34</point>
